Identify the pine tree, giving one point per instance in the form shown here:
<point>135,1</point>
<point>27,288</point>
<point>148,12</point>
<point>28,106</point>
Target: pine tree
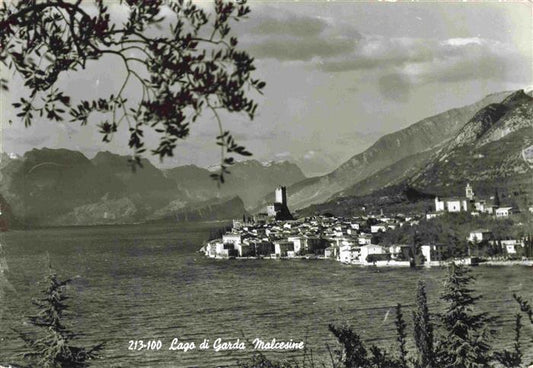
<point>524,307</point>
<point>467,332</point>
<point>353,353</point>
<point>402,337</point>
<point>51,347</point>
<point>423,329</point>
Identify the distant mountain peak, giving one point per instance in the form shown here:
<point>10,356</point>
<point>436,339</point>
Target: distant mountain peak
<point>516,98</point>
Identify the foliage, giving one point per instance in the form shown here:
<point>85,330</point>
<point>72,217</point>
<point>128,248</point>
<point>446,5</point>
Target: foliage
<point>183,59</point>
<point>53,347</point>
<point>453,230</point>
<point>353,353</point>
<point>524,307</point>
<point>423,330</point>
<point>260,361</point>
<point>402,337</point>
<point>372,258</point>
<point>461,339</point>
<point>467,332</point>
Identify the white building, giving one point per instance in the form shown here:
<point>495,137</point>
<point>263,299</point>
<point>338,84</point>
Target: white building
<point>369,249</point>
<point>364,239</point>
<point>230,238</point>
<point>511,246</point>
<point>282,247</point>
<point>452,204</point>
<point>431,215</point>
<point>377,228</point>
<point>331,252</point>
<point>503,212</point>
<point>345,254</point>
<point>456,204</point>
<point>432,254</point>
<point>298,243</point>
<point>479,235</point>
<point>396,251</point>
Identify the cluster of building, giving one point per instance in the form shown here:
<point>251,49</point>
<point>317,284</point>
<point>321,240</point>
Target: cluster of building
<point>348,240</point>
<point>470,203</point>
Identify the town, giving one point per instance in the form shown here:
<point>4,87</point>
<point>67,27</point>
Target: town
<point>364,240</point>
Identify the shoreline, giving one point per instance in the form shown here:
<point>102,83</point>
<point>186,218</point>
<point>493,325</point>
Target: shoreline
<point>392,264</point>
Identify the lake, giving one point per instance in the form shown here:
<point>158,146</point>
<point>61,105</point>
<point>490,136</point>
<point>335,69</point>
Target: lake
<point>148,282</point>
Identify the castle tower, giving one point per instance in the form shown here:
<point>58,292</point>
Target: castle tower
<point>469,192</point>
<point>281,195</point>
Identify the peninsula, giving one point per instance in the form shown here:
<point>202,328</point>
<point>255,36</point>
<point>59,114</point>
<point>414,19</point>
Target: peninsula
<point>372,239</point>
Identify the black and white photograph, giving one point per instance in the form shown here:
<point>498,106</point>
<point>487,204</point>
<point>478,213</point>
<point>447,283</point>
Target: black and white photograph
<point>266,184</point>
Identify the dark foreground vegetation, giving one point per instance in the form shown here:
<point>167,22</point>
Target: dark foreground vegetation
<point>460,336</point>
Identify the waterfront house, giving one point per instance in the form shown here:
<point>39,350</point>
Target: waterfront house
<point>263,248</point>
<point>226,250</point>
<point>433,254</point>
<point>298,242</point>
<point>211,248</point>
<point>399,251</point>
<point>243,249</point>
<point>370,249</point>
<point>345,254</point>
<point>331,252</point>
<point>315,244</point>
<point>510,246</point>
<point>281,247</point>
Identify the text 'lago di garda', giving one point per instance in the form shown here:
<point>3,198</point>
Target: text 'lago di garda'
<point>218,344</point>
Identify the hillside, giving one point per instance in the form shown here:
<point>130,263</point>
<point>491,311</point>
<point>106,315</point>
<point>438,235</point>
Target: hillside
<point>250,180</point>
<point>393,199</point>
<point>421,136</point>
<point>491,151</point>
<point>210,210</point>
<point>488,150</point>
<point>47,183</point>
<point>391,175</point>
<point>54,187</point>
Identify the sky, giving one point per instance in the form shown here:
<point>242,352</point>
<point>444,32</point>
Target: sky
<point>339,75</point>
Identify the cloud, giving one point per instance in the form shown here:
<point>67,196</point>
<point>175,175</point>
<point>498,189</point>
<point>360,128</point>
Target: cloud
<point>403,62</point>
<point>302,49</point>
<point>293,37</point>
<point>374,52</point>
<point>398,63</point>
<point>290,25</point>
<point>469,59</point>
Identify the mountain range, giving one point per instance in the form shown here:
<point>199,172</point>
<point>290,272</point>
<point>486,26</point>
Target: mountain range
<point>488,143</point>
<point>491,150</point>
<point>55,187</point>
<point>419,138</point>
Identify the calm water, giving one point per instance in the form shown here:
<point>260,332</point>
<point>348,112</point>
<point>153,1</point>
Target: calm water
<point>148,282</point>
